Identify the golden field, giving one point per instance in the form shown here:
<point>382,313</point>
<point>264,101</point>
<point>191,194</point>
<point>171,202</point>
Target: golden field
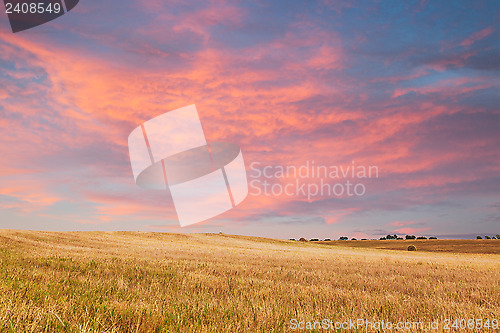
<point>479,246</point>
<point>159,282</point>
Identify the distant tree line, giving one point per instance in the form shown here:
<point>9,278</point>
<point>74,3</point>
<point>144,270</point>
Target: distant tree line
<point>388,237</point>
<point>406,237</point>
<point>488,237</point>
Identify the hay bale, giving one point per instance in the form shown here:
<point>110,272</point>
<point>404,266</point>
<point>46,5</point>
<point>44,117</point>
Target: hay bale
<point>412,248</point>
<point>302,239</point>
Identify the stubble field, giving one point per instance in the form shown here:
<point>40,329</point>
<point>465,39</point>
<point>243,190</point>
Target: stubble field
<point>158,282</point>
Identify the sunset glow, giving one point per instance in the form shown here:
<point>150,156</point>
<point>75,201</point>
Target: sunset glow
<point>410,88</point>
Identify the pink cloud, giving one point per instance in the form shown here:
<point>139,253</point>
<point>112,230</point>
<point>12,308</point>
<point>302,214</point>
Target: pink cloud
<point>407,77</point>
<point>402,223</point>
<point>410,231</point>
<point>448,87</point>
<point>477,36</point>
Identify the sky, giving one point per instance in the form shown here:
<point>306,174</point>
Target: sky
<point>408,87</point>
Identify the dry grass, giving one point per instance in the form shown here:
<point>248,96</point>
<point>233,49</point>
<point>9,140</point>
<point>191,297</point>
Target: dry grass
<point>479,246</point>
<point>155,282</point>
